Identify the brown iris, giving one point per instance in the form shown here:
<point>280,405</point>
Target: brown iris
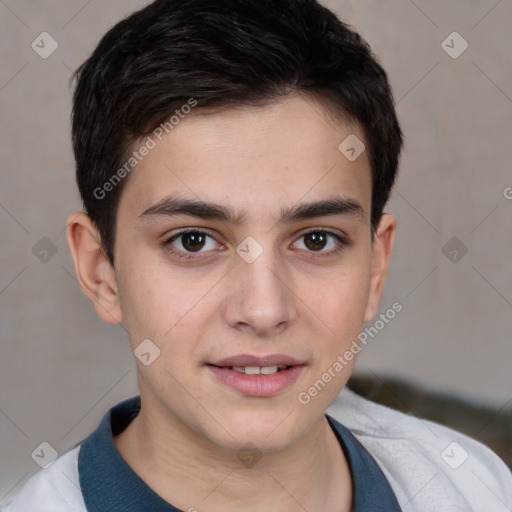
<point>317,240</point>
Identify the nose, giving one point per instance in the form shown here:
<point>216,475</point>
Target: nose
<point>261,300</point>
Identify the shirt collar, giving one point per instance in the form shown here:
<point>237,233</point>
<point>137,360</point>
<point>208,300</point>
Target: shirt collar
<point>108,484</point>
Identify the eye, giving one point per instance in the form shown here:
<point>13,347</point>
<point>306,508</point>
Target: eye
<point>189,242</point>
<point>321,241</point>
<point>186,244</point>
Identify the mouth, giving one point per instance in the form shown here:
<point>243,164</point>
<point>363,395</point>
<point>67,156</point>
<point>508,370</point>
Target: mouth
<point>257,376</point>
<point>254,361</point>
<point>256,370</point>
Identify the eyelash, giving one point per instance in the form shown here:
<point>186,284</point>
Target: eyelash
<point>167,244</point>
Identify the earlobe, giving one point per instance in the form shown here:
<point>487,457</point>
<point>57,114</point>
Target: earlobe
<point>95,275</point>
<point>384,239</point>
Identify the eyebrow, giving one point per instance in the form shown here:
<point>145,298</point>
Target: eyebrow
<point>173,206</point>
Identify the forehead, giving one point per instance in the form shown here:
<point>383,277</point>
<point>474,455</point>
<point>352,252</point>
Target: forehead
<point>258,159</point>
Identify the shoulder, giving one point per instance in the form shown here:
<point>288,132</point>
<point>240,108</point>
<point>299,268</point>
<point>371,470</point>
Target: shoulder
<point>54,488</point>
<point>430,467</point>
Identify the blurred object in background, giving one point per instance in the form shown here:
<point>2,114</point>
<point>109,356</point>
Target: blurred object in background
<point>490,426</point>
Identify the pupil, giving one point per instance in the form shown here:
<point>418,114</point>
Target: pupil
<point>318,241</point>
<point>193,241</point>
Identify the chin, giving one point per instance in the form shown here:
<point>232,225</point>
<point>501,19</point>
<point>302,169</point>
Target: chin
<point>267,431</point>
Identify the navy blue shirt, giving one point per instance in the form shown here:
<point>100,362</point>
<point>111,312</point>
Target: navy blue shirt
<point>108,484</point>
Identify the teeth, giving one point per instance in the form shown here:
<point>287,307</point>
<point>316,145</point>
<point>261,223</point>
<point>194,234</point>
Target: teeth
<point>267,370</point>
<point>257,370</point>
<point>252,370</point>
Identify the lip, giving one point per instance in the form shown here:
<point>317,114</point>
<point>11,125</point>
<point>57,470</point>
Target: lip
<point>257,385</point>
<point>253,360</point>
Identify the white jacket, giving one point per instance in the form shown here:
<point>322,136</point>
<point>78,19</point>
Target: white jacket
<point>430,468</point>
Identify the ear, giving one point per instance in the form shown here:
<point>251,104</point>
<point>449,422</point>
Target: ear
<point>383,242</point>
<point>96,276</point>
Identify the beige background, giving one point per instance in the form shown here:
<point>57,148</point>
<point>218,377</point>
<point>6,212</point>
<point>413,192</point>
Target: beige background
<point>61,368</point>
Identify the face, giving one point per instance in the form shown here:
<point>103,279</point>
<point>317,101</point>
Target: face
<point>243,239</point>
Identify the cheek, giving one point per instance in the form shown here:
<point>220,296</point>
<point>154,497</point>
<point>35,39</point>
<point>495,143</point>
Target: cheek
<point>159,304</point>
<point>342,303</point>
<point>151,309</point>
<point>147,300</point>
<point>349,283</point>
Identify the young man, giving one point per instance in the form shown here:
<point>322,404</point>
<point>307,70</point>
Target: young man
<point>234,158</point>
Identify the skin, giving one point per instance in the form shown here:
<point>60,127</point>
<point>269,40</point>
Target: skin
<point>296,298</point>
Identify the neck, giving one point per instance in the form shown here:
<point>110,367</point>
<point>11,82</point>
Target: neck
<point>192,473</point>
